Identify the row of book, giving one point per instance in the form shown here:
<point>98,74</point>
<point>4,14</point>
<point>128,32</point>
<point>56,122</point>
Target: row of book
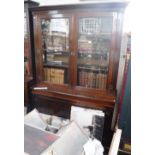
<point>92,80</point>
<point>95,25</point>
<point>55,76</point>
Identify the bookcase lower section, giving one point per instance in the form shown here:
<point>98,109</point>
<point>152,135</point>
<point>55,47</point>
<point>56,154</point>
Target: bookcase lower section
<point>51,106</point>
<point>62,108</point>
<point>27,84</point>
<point>26,100</point>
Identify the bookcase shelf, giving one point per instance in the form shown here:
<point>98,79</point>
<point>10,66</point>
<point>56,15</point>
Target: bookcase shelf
<point>95,34</point>
<point>102,52</point>
<point>56,52</point>
<point>93,68</point>
<point>55,65</point>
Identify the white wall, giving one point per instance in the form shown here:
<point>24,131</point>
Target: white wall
<point>57,2</point>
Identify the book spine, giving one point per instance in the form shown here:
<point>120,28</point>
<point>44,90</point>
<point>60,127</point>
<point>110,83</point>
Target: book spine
<point>91,79</point>
<point>45,74</point>
<point>48,74</point>
<point>105,81</point>
<point>62,77</point>
<point>97,80</point>
<point>102,83</point>
<point>94,80</point>
<point>52,75</point>
<point>100,80</point>
<point>82,78</point>
<point>86,79</point>
<point>56,76</point>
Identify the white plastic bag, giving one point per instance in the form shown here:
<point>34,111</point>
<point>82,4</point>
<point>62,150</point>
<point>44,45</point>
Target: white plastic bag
<point>93,147</point>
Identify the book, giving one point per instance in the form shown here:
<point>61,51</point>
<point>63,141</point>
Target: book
<point>61,76</point>
<point>82,78</point>
<point>86,79</point>
<point>45,74</point>
<point>53,79</point>
<point>97,80</point>
<point>94,80</point>
<point>102,81</point>
<point>91,79</point>
<point>48,75</point>
<point>105,81</point>
<point>55,76</point>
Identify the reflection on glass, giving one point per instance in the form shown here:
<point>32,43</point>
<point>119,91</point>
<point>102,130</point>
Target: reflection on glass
<point>95,25</point>
<point>93,51</point>
<point>25,27</point>
<point>26,48</point>
<point>55,44</point>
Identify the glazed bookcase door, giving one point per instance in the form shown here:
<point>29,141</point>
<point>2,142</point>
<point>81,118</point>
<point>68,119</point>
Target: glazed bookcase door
<point>94,47</point>
<point>54,54</point>
<point>55,45</point>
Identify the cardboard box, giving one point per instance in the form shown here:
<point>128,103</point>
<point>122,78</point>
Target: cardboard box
<point>68,141</point>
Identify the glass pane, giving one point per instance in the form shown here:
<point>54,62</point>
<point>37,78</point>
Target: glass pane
<point>25,26</point>
<point>55,44</point>
<point>94,41</point>
<point>26,48</point>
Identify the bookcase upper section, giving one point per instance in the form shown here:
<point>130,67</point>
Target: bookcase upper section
<point>76,47</point>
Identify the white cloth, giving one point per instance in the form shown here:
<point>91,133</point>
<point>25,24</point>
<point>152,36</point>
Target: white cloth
<point>93,147</point>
